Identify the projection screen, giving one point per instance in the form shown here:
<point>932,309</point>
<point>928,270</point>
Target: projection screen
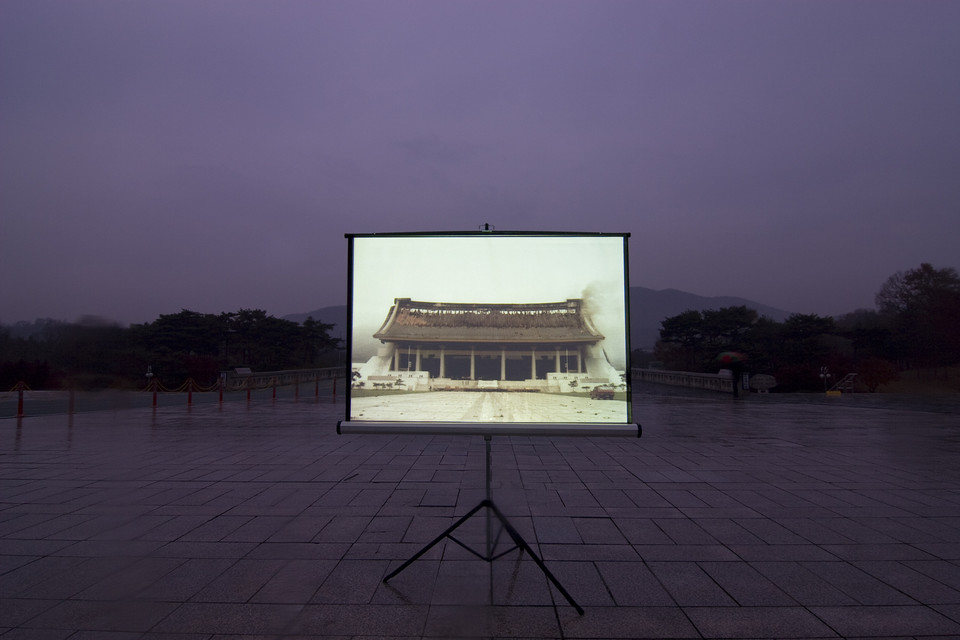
<point>488,333</point>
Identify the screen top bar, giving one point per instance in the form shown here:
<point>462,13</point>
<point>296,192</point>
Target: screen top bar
<point>481,233</point>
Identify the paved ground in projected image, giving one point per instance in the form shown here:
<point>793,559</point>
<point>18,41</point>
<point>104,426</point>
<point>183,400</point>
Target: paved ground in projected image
<point>488,406</point>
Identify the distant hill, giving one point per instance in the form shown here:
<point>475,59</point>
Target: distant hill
<point>647,308</point>
<point>336,315</point>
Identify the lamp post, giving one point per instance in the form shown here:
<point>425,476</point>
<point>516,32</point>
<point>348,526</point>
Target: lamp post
<point>152,384</point>
<point>825,375</point>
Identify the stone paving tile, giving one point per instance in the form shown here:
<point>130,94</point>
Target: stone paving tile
<point>186,580</point>
<point>127,583</point>
<point>491,622</point>
<point>230,618</point>
<point>857,584</point>
<point>302,528</point>
<point>747,586</point>
<point>19,611</point>
<point>22,577</point>
<point>947,573</point>
<point>585,581</point>
<point>944,550</point>
<point>79,577</point>
<point>887,621</point>
<point>554,530</point>
<point>758,622</point>
<point>632,584</point>
<point>416,584</point>
<point>781,552</point>
<point>910,581</point>
<point>627,622</point>
<point>385,529</point>
<point>867,552</point>
<point>688,584</point>
<point>13,522</point>
<point>216,529</point>
<point>191,549</point>
<point>610,497</point>
<point>640,531</point>
<point>598,531</point>
<point>102,616</point>
<point>240,581</point>
<point>686,552</point>
<point>518,581</point>
<point>342,529</point>
<point>59,634</point>
<point>728,531</point>
<point>360,620</point>
<point>351,582</point>
<point>684,532</point>
<point>903,531</point>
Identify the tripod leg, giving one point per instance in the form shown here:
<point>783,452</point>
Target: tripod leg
<point>520,542</point>
<point>440,537</point>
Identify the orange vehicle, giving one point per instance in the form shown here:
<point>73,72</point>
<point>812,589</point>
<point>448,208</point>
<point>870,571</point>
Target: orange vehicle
<point>601,393</point>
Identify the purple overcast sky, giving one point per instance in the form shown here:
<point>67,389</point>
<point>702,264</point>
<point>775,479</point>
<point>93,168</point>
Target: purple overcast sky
<point>211,155</point>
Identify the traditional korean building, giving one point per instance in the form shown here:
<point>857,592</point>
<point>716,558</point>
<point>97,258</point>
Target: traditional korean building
<point>490,346</point>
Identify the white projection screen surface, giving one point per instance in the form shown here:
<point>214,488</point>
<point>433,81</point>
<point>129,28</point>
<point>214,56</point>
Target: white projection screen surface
<point>488,333</point>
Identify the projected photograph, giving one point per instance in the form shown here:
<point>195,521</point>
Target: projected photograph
<point>489,328</point>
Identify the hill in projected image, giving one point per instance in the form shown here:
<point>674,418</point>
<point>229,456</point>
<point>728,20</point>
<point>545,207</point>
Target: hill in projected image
<point>495,361</point>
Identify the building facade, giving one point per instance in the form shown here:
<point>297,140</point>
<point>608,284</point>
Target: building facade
<point>466,346</point>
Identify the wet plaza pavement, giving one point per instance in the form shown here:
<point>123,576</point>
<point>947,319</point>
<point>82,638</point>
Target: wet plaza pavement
<point>763,517</point>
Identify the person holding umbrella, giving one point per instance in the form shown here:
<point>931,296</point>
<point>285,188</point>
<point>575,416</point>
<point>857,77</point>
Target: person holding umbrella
<point>733,360</point>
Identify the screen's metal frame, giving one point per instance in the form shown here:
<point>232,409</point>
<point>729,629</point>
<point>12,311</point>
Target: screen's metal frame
<point>492,428</point>
<point>629,428</point>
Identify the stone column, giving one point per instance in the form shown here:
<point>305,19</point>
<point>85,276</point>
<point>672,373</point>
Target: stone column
<point>503,364</point>
<point>443,367</point>
<point>557,366</point>
<point>418,358</point>
<point>533,363</point>
<point>473,365</point>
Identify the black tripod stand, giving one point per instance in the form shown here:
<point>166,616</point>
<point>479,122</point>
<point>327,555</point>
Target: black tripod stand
<point>490,553</point>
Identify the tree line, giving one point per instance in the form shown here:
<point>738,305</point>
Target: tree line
<point>916,324</point>
<point>47,354</point>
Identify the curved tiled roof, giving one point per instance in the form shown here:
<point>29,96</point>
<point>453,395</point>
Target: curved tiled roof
<point>554,322</point>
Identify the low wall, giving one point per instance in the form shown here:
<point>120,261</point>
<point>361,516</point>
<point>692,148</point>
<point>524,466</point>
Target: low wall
<point>709,381</point>
<point>263,379</point>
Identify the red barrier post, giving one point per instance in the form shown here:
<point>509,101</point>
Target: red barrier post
<point>190,384</point>
<point>273,383</point>
<point>333,399</point>
<point>316,386</point>
<point>20,386</point>
<point>71,403</point>
<point>155,383</point>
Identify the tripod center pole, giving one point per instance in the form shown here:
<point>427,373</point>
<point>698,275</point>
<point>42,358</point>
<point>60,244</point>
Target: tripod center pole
<point>486,439</point>
<point>486,442</point>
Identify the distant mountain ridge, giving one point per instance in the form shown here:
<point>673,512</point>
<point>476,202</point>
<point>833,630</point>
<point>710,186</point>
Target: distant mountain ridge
<point>648,307</point>
<point>335,315</point>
